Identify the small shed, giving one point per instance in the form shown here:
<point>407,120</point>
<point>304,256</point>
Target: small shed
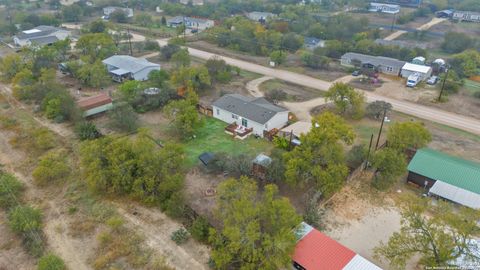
<point>419,60</point>
<point>206,158</point>
<point>260,166</point>
<point>95,105</point>
<point>446,176</point>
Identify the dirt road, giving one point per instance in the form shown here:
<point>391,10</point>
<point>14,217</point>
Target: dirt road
<point>423,27</point>
<point>253,86</point>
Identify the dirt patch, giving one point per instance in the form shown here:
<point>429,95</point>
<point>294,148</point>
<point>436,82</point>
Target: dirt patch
<point>12,253</point>
<point>157,228</point>
<point>294,92</point>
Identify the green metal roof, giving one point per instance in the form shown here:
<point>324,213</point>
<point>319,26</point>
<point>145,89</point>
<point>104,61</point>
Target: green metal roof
<point>446,168</point>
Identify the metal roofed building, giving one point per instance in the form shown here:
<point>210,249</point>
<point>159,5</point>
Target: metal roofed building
<point>190,22</point>
<point>384,8</point>
<point>40,35</point>
<point>446,176</point>
<point>316,251</point>
<point>467,16</point>
<point>311,43</point>
<point>424,71</point>
<point>255,113</point>
<point>95,104</point>
<point>123,67</point>
<point>384,64</point>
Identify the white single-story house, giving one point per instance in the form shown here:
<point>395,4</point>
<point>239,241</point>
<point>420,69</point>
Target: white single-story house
<point>312,43</point>
<point>466,16</point>
<point>95,105</point>
<point>123,67</point>
<point>194,2</point>
<point>109,10</point>
<point>260,16</point>
<point>384,8</point>
<point>424,71</point>
<point>190,23</point>
<point>40,35</point>
<point>385,65</point>
<point>256,114</point>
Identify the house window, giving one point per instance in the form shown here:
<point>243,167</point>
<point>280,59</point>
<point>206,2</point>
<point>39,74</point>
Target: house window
<point>218,111</point>
<point>244,122</point>
<point>234,116</point>
<point>389,69</point>
<point>266,126</point>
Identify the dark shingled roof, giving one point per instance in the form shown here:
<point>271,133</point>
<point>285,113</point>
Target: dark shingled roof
<point>255,109</point>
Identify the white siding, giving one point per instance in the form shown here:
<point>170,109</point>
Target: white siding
<point>423,76</point>
<point>278,121</point>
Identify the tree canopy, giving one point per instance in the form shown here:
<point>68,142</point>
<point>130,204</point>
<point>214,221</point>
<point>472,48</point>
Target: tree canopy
<point>258,227</point>
<point>439,234</point>
<point>346,99</point>
<point>320,159</point>
<point>135,166</point>
<point>405,135</point>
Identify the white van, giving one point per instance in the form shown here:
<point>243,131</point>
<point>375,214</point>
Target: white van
<point>413,80</point>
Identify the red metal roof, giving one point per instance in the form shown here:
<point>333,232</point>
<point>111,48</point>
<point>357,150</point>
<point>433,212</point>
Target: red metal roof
<point>93,102</point>
<point>316,251</point>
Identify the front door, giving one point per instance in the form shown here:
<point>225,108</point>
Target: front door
<point>244,122</point>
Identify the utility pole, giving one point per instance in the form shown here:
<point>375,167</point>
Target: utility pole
<point>381,128</point>
<point>443,84</point>
<point>129,41</point>
<point>393,21</point>
<point>368,153</point>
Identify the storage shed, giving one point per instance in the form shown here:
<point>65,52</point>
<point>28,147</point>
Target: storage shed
<point>424,71</point>
<point>95,105</point>
<point>446,176</point>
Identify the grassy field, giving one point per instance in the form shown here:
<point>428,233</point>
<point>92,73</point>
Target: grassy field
<point>212,138</point>
<point>472,86</point>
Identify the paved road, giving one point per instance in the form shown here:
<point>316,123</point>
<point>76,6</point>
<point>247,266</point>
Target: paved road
<point>423,27</point>
<point>428,113</point>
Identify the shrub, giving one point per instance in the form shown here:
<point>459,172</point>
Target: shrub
<point>51,262</point>
<point>356,155</point>
<point>51,168</point>
<point>26,221</point>
<point>281,142</point>
<point>10,189</point>
<point>276,95</point>
<point>199,229</point>
<point>87,131</point>
<point>180,236</point>
<point>123,118</point>
<point>375,109</point>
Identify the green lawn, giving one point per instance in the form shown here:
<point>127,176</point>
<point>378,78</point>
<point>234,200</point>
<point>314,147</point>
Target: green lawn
<point>212,138</point>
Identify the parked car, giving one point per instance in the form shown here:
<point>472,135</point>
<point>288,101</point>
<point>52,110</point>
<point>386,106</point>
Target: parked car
<point>432,80</point>
<point>413,80</point>
<point>356,73</point>
<point>194,31</point>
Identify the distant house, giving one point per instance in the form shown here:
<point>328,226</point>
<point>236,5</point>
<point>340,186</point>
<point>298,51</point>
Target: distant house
<point>259,16</point>
<point>447,13</point>
<point>316,251</point>
<point>384,8</point>
<point>385,65</point>
<point>107,11</point>
<point>254,114</point>
<point>466,16</point>
<point>194,2</point>
<point>405,3</point>
<point>446,176</point>
<point>312,43</point>
<point>41,35</point>
<point>190,23</point>
<point>125,67</point>
<point>424,71</point>
<point>95,105</point>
